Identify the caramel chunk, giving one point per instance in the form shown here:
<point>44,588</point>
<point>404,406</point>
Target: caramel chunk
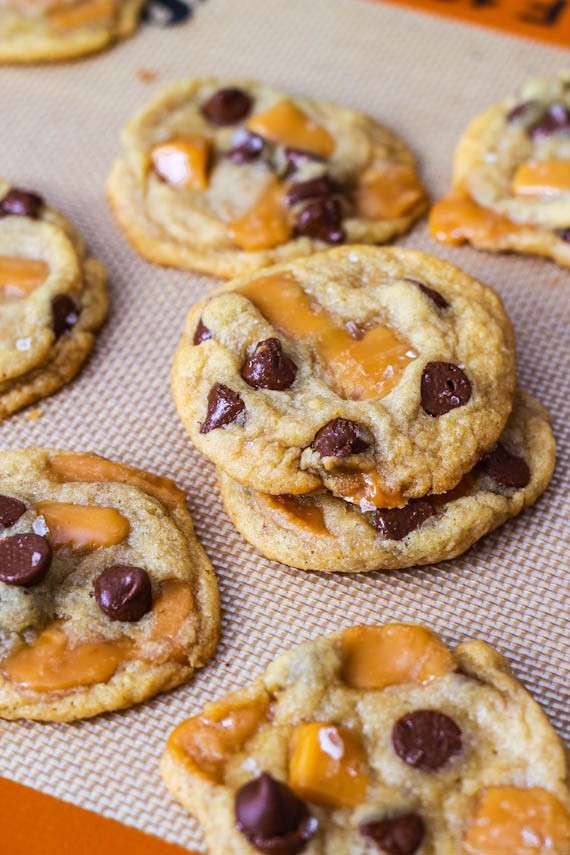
<point>207,741</point>
<point>378,656</point>
<point>82,14</point>
<point>83,526</point>
<point>20,276</point>
<point>175,603</point>
<point>49,664</point>
<point>457,219</point>
<point>388,191</point>
<point>328,765</point>
<point>266,224</point>
<point>272,818</point>
<point>302,512</point>
<point>515,820</point>
<point>366,490</point>
<point>183,162</point>
<point>542,178</point>
<point>286,124</point>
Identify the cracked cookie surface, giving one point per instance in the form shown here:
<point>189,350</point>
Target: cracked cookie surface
<point>106,595</point>
<point>376,739</point>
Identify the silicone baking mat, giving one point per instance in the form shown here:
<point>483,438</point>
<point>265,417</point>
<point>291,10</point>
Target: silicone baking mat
<point>425,77</point>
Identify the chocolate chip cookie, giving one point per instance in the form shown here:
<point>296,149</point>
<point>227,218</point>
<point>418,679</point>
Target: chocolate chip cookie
<point>50,30</point>
<point>322,531</point>
<point>379,739</point>
<point>228,176</point>
<point>511,177</point>
<point>53,300</point>
<point>355,359</point>
<point>106,595</point>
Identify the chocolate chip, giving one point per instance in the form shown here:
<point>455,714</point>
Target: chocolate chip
<point>272,818</point>
<point>201,333</point>
<point>65,314</point>
<point>321,219</point>
<point>426,739</point>
<point>10,511</point>
<point>340,438</point>
<point>224,407</point>
<point>21,203</point>
<point>268,367</point>
<point>397,523</point>
<point>563,234</point>
<point>124,592</point>
<point>24,560</point>
<point>521,111</point>
<point>439,301</point>
<point>316,188</point>
<point>247,147</point>
<point>166,13</point>
<point>505,468</point>
<point>556,118</point>
<point>400,835</point>
<point>227,106</point>
<point>444,387</point>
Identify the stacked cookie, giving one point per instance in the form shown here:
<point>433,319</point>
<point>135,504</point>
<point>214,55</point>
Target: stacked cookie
<point>361,408</point>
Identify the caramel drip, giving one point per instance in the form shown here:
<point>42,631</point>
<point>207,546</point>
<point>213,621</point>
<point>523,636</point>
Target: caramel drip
<point>266,224</point>
<point>388,191</point>
<point>366,490</point>
<point>457,218</point>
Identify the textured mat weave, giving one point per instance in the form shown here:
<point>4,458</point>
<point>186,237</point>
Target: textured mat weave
<point>425,78</point>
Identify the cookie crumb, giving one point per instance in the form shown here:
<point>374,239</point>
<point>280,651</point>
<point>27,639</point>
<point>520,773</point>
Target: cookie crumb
<point>147,75</point>
<point>34,415</point>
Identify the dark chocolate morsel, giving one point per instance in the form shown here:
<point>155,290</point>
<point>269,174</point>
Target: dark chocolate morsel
<point>247,147</point>
<point>24,559</point>
<point>272,817</point>
<point>340,438</point>
<point>268,367</point>
<point>227,106</point>
<point>316,188</point>
<point>556,118</point>
<point>397,523</point>
<point>444,387</point>
<point>123,592</point>
<point>564,234</point>
<point>426,739</point>
<point>399,835</point>
<point>21,203</point>
<point>65,314</point>
<point>224,407</point>
<point>166,13</point>
<point>521,111</point>
<point>201,333</point>
<point>508,470</point>
<point>10,511</point>
<point>433,295</point>
<point>321,219</point>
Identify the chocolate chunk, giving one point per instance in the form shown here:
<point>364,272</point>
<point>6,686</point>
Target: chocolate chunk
<point>505,468</point>
<point>124,592</point>
<point>439,301</point>
<point>268,367</point>
<point>247,147</point>
<point>316,188</point>
<point>227,106</point>
<point>24,560</point>
<point>272,818</point>
<point>340,438</point>
<point>10,511</point>
<point>21,203</point>
<point>522,110</point>
<point>563,234</point>
<point>397,523</point>
<point>400,835</point>
<point>426,739</point>
<point>444,387</point>
<point>556,118</point>
<point>65,314</point>
<point>321,219</point>
<point>224,407</point>
<point>201,333</point>
<point>166,13</point>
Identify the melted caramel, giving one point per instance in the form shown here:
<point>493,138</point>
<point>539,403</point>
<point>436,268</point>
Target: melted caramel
<point>457,218</point>
<point>518,821</point>
<point>83,526</point>
<point>302,512</point>
<point>359,369</point>
<point>266,224</point>
<point>183,162</point>
<point>286,124</point>
<point>82,14</point>
<point>542,178</point>
<point>388,192</point>
<point>171,610</point>
<point>20,276</point>
<point>366,490</point>
<point>206,742</point>
<point>49,664</point>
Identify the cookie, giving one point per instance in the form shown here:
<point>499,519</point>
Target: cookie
<point>53,300</point>
<point>376,739</point>
<point>323,532</point>
<point>228,176</point>
<point>358,358</point>
<point>511,177</point>
<point>52,30</point>
<point>106,595</point>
